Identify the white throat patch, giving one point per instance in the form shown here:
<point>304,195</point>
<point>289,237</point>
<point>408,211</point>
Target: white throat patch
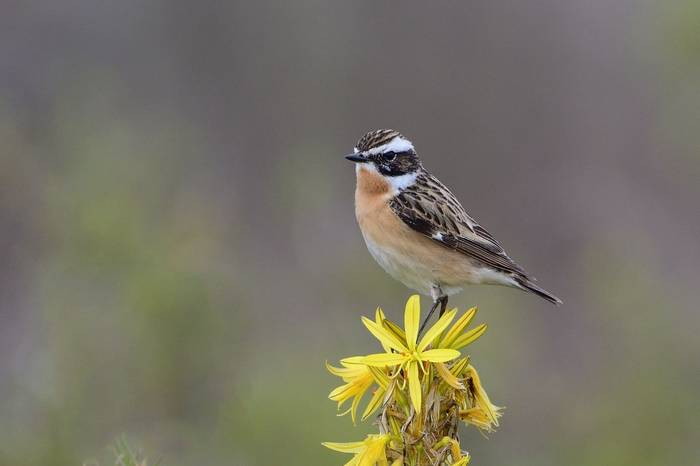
<point>399,183</point>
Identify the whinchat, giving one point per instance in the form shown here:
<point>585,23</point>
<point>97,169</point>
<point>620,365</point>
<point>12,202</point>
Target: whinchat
<point>417,230</point>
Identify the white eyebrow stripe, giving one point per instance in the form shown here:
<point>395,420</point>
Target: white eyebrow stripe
<point>398,145</point>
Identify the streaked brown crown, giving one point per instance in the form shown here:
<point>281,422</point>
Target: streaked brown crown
<point>376,138</point>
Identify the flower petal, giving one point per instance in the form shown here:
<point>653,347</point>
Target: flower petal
<point>355,386</point>
<point>439,355</point>
<point>478,418</point>
<point>349,372</point>
<point>449,376</point>
<point>457,328</point>
<point>339,371</point>
<point>351,362</point>
<point>355,404</point>
<point>467,338</point>
<point>384,359</point>
<point>374,403</point>
<point>384,336</point>
<point>459,366</point>
<point>378,315</point>
<point>380,377</point>
<point>436,329</point>
<point>414,388</point>
<point>490,410</point>
<point>347,447</point>
<point>412,320</point>
<point>379,320</point>
<point>456,450</point>
<point>396,330</point>
<point>343,393</point>
<point>375,454</point>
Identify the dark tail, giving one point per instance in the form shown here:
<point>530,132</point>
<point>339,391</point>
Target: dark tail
<point>527,285</point>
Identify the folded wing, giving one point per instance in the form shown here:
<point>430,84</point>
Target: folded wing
<point>429,208</point>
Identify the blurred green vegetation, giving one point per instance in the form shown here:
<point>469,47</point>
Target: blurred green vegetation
<point>125,455</point>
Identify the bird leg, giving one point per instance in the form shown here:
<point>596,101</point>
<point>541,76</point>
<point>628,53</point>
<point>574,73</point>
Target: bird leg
<point>440,301</point>
<point>427,318</point>
<point>443,305</point>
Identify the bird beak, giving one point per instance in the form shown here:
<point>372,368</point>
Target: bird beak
<point>357,158</point>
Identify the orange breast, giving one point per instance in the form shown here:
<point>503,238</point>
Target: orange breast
<point>407,255</point>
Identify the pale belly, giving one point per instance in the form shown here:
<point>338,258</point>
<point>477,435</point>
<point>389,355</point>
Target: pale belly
<point>415,274</point>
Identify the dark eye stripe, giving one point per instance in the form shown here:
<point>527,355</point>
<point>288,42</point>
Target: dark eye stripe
<point>393,163</point>
<point>391,155</point>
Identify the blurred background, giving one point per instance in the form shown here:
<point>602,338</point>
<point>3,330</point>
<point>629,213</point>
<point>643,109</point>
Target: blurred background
<point>179,254</point>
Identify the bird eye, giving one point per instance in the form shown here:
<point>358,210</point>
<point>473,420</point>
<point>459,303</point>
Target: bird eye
<point>390,156</point>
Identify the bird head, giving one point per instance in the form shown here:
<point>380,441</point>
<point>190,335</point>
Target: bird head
<point>386,151</point>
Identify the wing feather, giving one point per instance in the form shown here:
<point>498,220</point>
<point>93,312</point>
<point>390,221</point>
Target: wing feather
<point>429,208</point>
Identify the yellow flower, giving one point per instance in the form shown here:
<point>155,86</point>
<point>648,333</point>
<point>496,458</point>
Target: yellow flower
<point>409,353</point>
<point>455,451</point>
<point>358,378</point>
<point>484,414</point>
<point>369,452</point>
<point>418,383</point>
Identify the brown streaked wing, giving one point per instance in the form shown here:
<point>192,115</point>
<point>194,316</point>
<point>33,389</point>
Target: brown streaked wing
<point>429,208</point>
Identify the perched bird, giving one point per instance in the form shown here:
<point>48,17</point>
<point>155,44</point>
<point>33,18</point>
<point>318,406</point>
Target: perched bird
<point>417,230</point>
